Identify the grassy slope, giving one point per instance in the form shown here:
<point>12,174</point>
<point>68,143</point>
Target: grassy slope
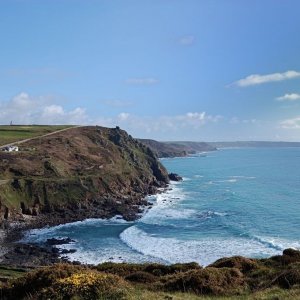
<point>14,133</point>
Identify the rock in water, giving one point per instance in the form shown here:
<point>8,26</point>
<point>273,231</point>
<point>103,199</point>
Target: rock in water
<point>175,177</point>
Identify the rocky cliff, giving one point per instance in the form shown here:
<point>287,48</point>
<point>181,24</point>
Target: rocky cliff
<point>79,173</point>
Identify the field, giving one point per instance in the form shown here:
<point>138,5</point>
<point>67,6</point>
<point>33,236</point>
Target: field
<point>10,134</point>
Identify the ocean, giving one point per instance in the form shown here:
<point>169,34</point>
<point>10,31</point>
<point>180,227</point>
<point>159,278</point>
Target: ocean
<point>239,201</point>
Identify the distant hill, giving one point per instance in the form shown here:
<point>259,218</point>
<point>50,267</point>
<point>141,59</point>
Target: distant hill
<point>253,144</point>
<point>176,149</point>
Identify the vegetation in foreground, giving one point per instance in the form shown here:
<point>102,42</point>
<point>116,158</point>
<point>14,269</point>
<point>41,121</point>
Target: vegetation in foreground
<point>13,133</point>
<point>277,277</point>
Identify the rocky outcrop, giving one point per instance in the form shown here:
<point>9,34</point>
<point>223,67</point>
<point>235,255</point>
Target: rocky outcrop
<point>175,177</point>
<point>79,173</point>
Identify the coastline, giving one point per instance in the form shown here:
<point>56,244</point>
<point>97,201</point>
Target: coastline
<point>14,251</point>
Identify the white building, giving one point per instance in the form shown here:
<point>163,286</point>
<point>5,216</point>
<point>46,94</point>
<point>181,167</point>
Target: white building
<point>11,148</point>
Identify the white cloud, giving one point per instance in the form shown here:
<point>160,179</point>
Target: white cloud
<point>142,81</point>
<point>293,123</point>
<point>289,97</point>
<point>190,120</point>
<point>25,109</point>
<point>256,79</point>
<point>187,40</point>
<point>53,110</point>
<point>123,116</point>
<point>234,120</point>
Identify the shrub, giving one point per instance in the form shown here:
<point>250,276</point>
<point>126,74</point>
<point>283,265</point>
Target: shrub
<point>141,277</point>
<point>124,269</point>
<point>88,285</point>
<point>289,256</point>
<point>162,270</point>
<point>34,281</point>
<point>212,281</point>
<point>121,269</point>
<point>238,262</point>
<point>289,278</point>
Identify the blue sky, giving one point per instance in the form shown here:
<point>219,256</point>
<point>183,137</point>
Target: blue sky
<point>163,69</point>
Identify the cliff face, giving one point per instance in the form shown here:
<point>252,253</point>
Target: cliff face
<point>82,172</point>
<point>176,149</point>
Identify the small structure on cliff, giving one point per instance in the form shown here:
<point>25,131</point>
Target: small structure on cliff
<point>11,149</point>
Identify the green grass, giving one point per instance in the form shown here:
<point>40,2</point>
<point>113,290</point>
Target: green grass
<point>14,133</point>
<point>10,273</point>
<point>270,294</point>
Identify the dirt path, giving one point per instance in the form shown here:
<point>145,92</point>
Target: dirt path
<point>5,181</point>
<point>37,137</point>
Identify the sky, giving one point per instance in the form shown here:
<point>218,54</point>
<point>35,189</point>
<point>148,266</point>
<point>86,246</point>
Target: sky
<point>202,70</point>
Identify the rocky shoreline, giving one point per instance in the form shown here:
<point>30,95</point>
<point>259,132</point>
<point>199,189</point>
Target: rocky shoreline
<point>16,253</point>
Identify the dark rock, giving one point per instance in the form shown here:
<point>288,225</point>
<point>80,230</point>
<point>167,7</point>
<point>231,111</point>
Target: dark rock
<point>54,241</point>
<point>175,177</point>
<point>66,251</point>
<point>55,250</point>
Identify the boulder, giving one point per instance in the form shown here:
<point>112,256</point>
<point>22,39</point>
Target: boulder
<point>175,177</point>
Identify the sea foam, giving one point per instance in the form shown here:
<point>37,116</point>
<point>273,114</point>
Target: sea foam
<point>204,251</point>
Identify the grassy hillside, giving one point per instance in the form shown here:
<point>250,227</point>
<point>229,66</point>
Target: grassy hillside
<point>78,173</point>
<point>10,134</point>
<point>229,278</point>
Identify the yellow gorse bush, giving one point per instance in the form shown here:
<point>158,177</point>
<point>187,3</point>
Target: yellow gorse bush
<point>84,279</point>
<point>89,285</point>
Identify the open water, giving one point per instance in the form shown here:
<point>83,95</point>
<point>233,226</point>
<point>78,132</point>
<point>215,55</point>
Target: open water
<point>231,202</point>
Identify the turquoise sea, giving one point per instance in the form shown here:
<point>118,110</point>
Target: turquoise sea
<point>231,202</point>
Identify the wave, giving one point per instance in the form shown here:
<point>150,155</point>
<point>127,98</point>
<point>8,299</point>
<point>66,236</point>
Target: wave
<point>42,234</point>
<point>232,179</point>
<point>111,252</point>
<point>243,177</point>
<point>198,176</point>
<point>165,207</point>
<point>210,214</point>
<point>211,182</point>
<point>277,243</point>
<point>204,251</point>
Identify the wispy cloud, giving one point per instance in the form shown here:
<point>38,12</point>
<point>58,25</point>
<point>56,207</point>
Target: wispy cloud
<point>289,97</point>
<point>123,116</point>
<point>257,79</point>
<point>142,81</point>
<point>293,123</point>
<point>187,40</point>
